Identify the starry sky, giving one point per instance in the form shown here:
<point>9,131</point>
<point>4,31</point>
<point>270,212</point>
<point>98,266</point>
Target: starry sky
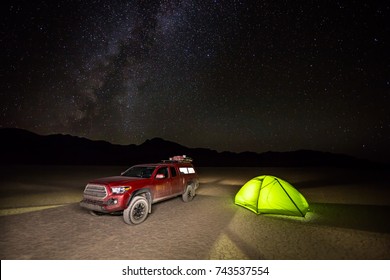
<point>227,75</point>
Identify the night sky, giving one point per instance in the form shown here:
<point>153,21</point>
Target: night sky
<point>226,75</point>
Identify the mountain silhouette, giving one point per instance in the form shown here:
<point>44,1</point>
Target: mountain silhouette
<point>20,146</point>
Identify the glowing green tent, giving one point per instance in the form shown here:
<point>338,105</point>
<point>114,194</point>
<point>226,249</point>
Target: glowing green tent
<point>271,195</point>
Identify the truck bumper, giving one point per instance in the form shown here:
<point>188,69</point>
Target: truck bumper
<point>100,206</point>
<point>91,206</point>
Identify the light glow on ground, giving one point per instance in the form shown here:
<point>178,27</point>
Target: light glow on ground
<point>21,210</point>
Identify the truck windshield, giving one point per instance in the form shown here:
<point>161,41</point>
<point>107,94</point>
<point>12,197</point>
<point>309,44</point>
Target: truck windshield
<point>139,171</point>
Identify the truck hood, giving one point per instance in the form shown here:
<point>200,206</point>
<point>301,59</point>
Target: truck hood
<point>115,180</point>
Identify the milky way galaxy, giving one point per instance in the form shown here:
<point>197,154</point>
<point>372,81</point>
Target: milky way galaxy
<point>227,75</point>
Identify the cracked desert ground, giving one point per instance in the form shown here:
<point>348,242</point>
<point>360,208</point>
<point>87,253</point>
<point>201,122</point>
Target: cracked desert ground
<point>40,218</point>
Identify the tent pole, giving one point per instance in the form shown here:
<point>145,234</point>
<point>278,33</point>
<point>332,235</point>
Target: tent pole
<point>290,197</point>
<point>258,195</point>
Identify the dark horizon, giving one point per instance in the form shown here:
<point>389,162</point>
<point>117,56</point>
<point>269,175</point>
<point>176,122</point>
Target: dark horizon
<point>25,147</point>
<point>231,76</point>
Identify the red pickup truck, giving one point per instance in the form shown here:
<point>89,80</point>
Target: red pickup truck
<point>136,189</point>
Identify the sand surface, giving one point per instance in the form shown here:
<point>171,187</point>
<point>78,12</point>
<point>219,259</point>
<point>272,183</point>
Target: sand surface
<point>40,218</point>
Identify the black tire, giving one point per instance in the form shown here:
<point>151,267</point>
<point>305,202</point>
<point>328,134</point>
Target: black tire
<point>137,211</point>
<point>189,194</point>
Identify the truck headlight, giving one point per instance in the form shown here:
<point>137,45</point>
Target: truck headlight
<point>119,190</point>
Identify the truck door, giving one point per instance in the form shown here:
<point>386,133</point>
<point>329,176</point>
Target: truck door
<point>176,184</point>
<point>162,183</point>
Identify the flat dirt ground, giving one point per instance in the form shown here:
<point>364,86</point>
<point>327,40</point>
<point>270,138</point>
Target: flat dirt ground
<point>40,218</point>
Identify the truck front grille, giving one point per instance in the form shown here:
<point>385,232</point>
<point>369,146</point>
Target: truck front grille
<point>94,191</point>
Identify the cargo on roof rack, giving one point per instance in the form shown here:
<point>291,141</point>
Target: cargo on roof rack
<point>182,158</point>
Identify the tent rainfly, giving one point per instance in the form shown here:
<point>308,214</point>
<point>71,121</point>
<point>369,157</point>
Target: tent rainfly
<point>271,195</point>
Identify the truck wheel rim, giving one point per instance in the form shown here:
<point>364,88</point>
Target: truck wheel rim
<point>190,193</point>
<point>139,211</point>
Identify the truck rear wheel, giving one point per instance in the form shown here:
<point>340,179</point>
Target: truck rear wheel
<point>189,194</point>
<point>137,211</point>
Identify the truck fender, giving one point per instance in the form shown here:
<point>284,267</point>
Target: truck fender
<point>144,192</point>
<point>192,182</point>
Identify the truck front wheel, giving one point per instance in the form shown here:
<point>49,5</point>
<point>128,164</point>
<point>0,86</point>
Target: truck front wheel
<point>137,211</point>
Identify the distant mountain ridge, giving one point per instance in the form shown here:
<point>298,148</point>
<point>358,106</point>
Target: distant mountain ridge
<point>20,146</point>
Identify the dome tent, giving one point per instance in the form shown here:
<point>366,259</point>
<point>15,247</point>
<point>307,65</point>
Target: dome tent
<point>271,195</point>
